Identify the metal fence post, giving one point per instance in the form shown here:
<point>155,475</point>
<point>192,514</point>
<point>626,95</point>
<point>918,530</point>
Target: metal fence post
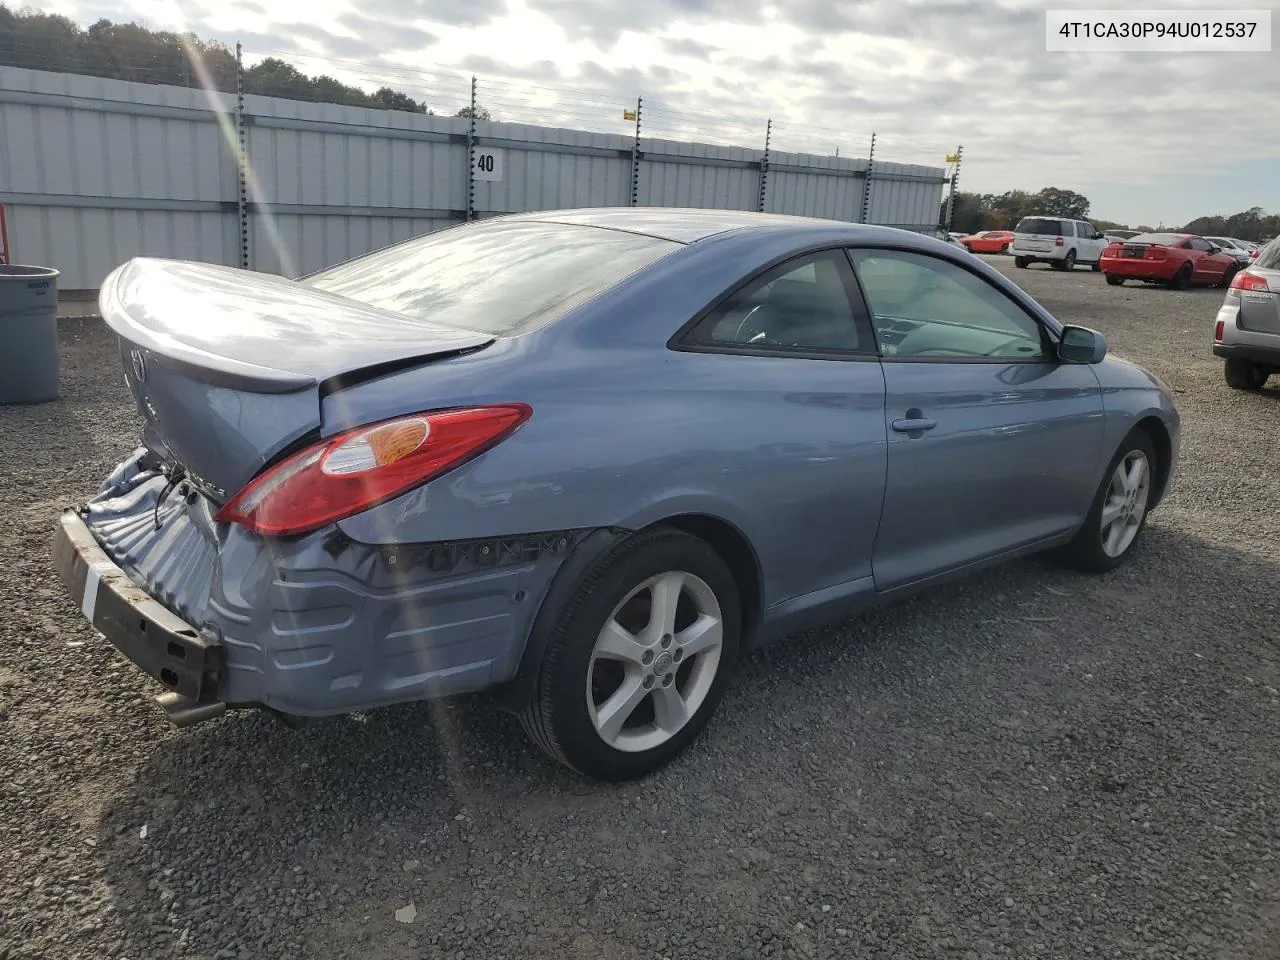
<point>471,156</point>
<point>955,175</point>
<point>764,165</point>
<point>866,186</point>
<point>242,160</point>
<point>635,157</point>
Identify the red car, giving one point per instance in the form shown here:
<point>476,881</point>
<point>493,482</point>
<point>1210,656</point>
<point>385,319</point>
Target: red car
<point>1179,260</point>
<point>989,241</point>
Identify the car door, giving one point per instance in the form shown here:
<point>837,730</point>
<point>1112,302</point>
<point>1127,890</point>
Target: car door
<point>993,443</point>
<point>1206,266</point>
<point>789,366</point>
<point>1091,242</point>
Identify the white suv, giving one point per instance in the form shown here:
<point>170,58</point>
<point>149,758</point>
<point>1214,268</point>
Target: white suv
<point>1057,241</point>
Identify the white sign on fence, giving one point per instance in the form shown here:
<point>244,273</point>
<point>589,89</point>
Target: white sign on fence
<point>488,164</point>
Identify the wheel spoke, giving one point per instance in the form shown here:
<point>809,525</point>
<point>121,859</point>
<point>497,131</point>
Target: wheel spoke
<point>705,633</point>
<point>616,643</point>
<point>665,598</point>
<point>670,712</point>
<point>613,713</point>
<point>1112,512</point>
<point>1134,474</point>
<point>1115,535</point>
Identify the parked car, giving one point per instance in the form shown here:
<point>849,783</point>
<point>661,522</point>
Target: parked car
<point>1239,249</point>
<point>944,236</point>
<point>585,459</point>
<point>1113,235</point>
<point>989,241</point>
<point>1246,332</point>
<point>1057,241</point>
<point>1179,260</point>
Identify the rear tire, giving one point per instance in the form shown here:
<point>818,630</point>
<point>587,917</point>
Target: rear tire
<point>1005,250</point>
<point>1069,261</point>
<point>608,640</point>
<point>1096,266</point>
<point>1228,275</point>
<point>1245,374</point>
<point>1115,281</point>
<point>1100,547</point>
<point>1020,262</point>
<point>1182,279</point>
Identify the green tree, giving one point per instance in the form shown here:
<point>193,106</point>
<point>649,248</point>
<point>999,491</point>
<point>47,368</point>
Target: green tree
<point>480,112</point>
<point>127,51</point>
<point>1056,202</point>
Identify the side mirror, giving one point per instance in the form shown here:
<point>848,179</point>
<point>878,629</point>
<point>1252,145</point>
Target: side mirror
<point>1081,345</point>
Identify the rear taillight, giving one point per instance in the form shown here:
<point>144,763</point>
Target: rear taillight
<point>1217,330</point>
<point>1247,281</point>
<point>1156,253</point>
<point>1113,250</point>
<point>1057,241</point>
<point>361,468</point>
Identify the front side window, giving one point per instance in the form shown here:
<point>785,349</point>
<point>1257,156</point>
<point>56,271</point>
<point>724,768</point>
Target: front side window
<point>925,308</point>
<point>802,305</point>
<point>500,278</point>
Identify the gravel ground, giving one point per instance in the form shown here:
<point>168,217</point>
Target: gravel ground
<point>1027,764</point>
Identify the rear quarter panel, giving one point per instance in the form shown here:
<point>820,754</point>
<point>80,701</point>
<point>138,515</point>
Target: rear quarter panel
<point>626,432</point>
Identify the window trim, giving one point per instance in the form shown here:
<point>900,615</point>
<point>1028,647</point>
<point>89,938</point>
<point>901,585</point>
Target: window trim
<point>681,341</point>
<point>1048,337</point>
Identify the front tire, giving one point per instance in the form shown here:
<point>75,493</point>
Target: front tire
<point>1118,516</point>
<point>1245,374</point>
<point>638,659</point>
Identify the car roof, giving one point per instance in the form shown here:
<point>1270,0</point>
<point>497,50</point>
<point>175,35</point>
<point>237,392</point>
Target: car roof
<point>686,225</point>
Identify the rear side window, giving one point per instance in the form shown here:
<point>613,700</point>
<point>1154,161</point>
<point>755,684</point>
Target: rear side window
<point>500,278</point>
<point>799,306</point>
<point>1084,230</point>
<point>1269,256</point>
<point>1042,226</point>
<point>1197,244</point>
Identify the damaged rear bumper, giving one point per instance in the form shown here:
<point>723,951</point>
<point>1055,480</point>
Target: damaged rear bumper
<point>164,646</point>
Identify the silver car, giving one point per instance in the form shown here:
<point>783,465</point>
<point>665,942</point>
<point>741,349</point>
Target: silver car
<point>1246,333</point>
<point>1232,247</point>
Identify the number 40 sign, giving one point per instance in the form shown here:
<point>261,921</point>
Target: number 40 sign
<point>488,165</point>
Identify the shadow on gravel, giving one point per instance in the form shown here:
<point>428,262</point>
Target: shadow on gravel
<point>262,841</point>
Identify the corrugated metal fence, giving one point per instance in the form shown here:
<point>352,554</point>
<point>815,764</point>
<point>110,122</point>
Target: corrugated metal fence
<point>95,171</point>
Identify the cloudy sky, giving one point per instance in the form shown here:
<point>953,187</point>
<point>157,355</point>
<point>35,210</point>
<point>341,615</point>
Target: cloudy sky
<point>1148,137</point>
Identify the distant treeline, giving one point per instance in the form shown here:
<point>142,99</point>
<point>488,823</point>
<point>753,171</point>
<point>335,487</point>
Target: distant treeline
<point>989,211</point>
<point>126,51</point>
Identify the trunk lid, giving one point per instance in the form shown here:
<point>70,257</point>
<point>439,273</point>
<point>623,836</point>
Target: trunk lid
<point>1260,309</point>
<point>229,367</point>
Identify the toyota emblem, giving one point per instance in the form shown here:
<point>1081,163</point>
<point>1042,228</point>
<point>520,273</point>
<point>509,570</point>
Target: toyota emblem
<point>139,365</point>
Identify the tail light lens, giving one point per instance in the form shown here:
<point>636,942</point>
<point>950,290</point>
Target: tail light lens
<point>361,468</point>
<point>1247,281</point>
<point>1156,253</point>
<point>1057,241</point>
<point>1113,250</point>
<point>1217,330</point>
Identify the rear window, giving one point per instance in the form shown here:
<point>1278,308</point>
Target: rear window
<point>1040,225</point>
<point>1165,239</point>
<point>498,278</point>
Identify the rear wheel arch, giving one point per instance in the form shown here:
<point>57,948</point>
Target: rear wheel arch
<point>738,554</point>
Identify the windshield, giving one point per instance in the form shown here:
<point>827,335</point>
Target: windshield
<point>501,278</point>
<point>1040,225</point>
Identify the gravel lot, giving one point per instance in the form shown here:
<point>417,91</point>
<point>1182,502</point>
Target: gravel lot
<point>1027,764</point>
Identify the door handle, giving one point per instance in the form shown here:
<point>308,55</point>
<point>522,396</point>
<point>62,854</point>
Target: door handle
<point>913,424</point>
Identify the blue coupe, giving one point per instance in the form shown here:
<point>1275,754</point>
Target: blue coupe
<point>586,459</point>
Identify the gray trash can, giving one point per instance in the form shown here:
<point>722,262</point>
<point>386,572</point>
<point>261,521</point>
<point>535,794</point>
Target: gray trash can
<point>28,334</point>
